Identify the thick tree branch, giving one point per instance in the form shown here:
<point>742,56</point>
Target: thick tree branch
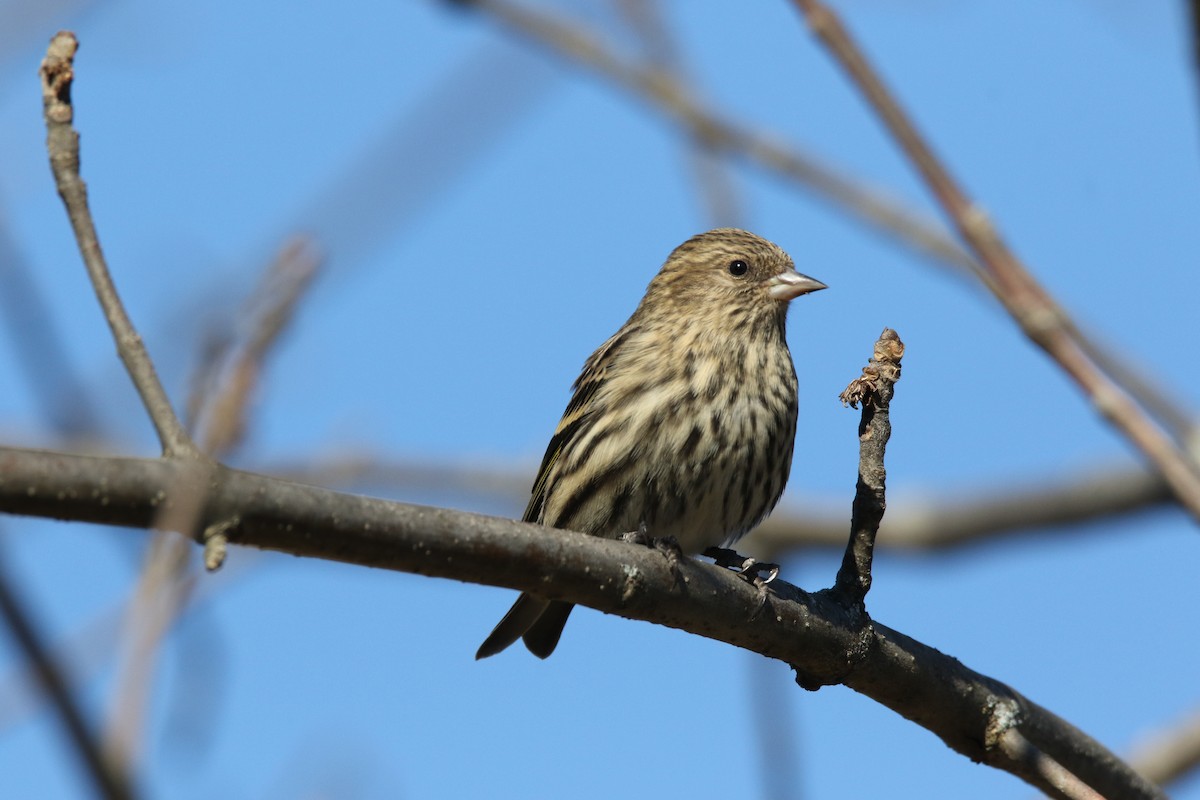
<point>62,142</point>
<point>818,636</point>
<point>1031,306</point>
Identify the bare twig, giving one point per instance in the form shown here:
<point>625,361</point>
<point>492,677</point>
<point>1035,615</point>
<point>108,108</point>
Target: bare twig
<point>219,404</point>
<point>161,593</point>
<point>712,177</point>
<point>62,142</point>
<point>450,127</point>
<point>1154,394</point>
<point>108,778</point>
<point>779,747</point>
<point>873,389</point>
<point>91,646</point>
<point>39,347</point>
<point>1066,784</point>
<point>1194,18</point>
<point>1170,753</point>
<point>388,475</point>
<point>1040,317</point>
<point>811,632</point>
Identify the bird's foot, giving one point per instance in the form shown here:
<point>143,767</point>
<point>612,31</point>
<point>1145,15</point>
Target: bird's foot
<point>640,536</point>
<point>749,568</point>
<point>667,545</point>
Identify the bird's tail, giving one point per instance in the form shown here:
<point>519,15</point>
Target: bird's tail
<point>540,622</point>
<point>542,636</point>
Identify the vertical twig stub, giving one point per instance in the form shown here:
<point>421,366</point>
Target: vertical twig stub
<point>873,389</point>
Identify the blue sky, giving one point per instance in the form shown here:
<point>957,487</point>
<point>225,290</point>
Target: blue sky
<point>490,216</point>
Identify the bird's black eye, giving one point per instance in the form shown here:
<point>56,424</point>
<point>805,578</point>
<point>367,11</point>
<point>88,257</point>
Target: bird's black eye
<point>738,267</point>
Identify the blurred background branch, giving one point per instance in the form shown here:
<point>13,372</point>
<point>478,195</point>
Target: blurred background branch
<point>223,389</point>
<point>1170,753</point>
<point>1038,314</point>
<point>666,95</point>
<point>108,777</point>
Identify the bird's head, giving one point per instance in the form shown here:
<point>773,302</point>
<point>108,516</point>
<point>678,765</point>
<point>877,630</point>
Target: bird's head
<point>729,270</point>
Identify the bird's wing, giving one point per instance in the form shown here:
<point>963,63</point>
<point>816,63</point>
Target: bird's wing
<point>575,417</point>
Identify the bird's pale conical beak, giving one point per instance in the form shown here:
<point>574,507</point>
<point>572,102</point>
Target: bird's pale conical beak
<point>791,284</point>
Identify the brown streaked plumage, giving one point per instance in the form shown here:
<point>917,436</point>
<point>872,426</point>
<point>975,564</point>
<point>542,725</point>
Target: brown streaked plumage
<point>683,421</point>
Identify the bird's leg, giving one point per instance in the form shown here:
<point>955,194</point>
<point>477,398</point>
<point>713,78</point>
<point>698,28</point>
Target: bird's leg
<point>763,598</point>
<point>748,568</point>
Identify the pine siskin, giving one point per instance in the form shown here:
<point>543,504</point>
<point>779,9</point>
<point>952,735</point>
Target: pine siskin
<point>683,421</point>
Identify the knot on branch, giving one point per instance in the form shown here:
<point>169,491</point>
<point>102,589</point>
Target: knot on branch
<point>864,642</point>
<point>1003,716</point>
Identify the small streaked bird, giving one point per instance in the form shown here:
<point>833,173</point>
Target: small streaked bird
<point>682,423</point>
